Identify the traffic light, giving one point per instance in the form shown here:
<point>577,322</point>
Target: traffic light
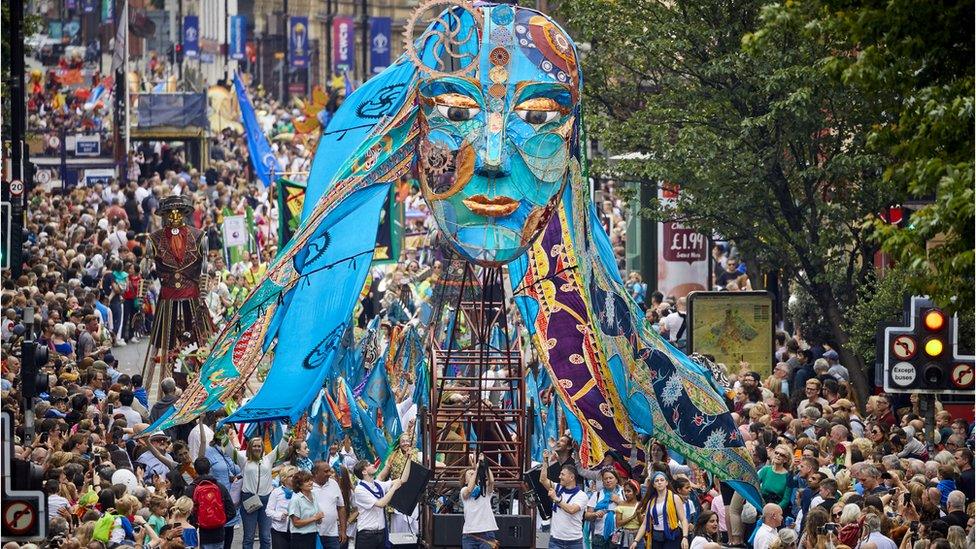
<point>33,357</point>
<point>922,357</point>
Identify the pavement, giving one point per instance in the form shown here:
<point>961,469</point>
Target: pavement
<point>131,356</point>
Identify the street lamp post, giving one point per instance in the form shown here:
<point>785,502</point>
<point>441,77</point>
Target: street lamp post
<point>226,38</point>
<point>365,31</point>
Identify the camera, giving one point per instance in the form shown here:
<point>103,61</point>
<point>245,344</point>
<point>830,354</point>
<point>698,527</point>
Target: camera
<point>829,528</point>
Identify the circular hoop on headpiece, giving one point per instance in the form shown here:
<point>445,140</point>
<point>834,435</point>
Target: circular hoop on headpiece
<point>451,41</point>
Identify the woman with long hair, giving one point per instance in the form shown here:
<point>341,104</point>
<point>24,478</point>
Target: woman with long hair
<point>664,520</point>
<point>256,490</point>
<point>706,531</point>
<point>600,510</point>
<point>813,529</point>
<point>480,528</point>
<point>627,514</point>
<point>298,455</point>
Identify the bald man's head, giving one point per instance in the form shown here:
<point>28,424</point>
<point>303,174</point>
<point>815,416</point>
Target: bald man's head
<point>772,515</point>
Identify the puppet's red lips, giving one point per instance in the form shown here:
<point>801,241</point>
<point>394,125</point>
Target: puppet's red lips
<point>499,206</point>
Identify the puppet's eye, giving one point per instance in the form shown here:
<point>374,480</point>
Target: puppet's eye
<point>458,114</point>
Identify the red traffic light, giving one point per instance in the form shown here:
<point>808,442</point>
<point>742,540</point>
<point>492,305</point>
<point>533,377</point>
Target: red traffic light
<point>934,320</point>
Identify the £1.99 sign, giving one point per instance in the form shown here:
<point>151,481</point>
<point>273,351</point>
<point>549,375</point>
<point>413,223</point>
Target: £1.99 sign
<point>683,244</point>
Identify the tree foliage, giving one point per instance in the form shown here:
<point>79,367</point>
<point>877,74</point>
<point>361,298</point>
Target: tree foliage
<point>916,59</point>
<point>734,103</point>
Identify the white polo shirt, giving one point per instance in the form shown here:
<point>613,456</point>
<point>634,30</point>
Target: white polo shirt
<point>566,526</point>
<point>364,497</point>
<point>328,498</point>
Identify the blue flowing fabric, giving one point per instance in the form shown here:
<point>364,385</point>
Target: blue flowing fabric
<point>374,101</point>
<point>317,421</point>
<point>262,159</point>
<point>538,443</point>
<point>312,326</point>
<point>378,396</point>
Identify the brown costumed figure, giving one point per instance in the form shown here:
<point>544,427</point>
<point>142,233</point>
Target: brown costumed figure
<point>177,255</point>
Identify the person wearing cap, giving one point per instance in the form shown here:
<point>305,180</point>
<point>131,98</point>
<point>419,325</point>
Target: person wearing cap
<point>836,369</point>
<point>152,465</point>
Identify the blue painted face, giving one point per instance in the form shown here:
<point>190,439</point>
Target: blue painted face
<point>497,141</point>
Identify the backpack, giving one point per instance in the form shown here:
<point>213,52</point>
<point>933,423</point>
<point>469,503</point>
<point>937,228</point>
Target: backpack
<point>209,505</point>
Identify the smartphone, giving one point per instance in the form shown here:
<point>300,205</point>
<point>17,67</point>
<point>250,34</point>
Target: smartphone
<point>831,528</point>
<point>110,410</point>
<point>137,528</point>
<point>891,491</point>
<point>906,499</point>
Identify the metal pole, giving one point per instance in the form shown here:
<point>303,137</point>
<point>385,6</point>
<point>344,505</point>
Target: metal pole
<point>18,98</point>
<point>226,38</point>
<point>365,31</point>
<point>179,25</point>
<point>125,70</point>
<point>328,43</point>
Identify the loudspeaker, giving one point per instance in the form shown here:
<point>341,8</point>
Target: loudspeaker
<point>513,530</point>
<point>447,530</point>
<point>543,503</point>
<point>406,497</point>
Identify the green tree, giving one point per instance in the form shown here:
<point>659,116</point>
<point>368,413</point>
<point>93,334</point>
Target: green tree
<point>735,104</point>
<point>916,59</point>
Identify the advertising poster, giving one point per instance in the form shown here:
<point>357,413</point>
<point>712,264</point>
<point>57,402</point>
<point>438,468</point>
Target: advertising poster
<point>380,33</point>
<point>343,44</point>
<point>733,327</point>
<point>298,42</point>
<point>683,254</point>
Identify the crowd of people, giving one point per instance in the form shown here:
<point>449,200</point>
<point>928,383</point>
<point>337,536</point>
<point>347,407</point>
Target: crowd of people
<point>831,476</point>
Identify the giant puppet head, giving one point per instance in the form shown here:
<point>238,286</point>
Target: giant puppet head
<point>499,125</point>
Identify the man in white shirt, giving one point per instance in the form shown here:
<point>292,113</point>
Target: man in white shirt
<point>569,502</point>
<point>370,498</point>
<point>675,322</point>
<point>132,417</point>
<point>772,519</point>
<point>55,502</point>
<point>328,498</point>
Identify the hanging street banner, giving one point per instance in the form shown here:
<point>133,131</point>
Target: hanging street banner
<point>238,36</point>
<point>108,11</point>
<point>298,41</point>
<point>380,34</point>
<point>191,36</point>
<point>343,44</point>
<point>88,6</point>
<point>291,200</point>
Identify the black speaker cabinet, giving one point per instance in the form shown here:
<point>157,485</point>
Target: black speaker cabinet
<point>513,530</point>
<point>406,497</point>
<point>543,503</point>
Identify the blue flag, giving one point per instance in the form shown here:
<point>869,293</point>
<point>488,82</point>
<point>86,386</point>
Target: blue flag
<point>264,162</point>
